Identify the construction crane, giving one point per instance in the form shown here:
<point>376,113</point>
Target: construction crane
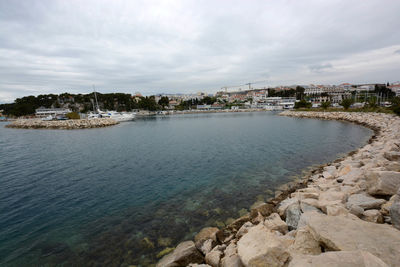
<point>225,88</point>
<point>249,84</point>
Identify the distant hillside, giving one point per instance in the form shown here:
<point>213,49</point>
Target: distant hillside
<point>78,102</point>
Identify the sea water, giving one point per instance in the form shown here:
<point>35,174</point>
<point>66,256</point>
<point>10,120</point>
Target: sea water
<point>120,195</point>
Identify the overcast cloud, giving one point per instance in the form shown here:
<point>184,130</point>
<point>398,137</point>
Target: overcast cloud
<point>186,46</point>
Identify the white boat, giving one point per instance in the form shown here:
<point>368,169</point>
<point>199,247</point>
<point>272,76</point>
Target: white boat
<point>92,115</point>
<point>48,118</point>
<point>118,116</point>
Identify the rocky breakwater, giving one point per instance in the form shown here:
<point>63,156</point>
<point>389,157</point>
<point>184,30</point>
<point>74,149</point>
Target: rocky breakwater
<point>346,213</point>
<point>62,124</point>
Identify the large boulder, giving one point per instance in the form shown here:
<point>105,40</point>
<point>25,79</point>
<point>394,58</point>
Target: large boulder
<point>393,166</point>
<point>206,239</point>
<point>213,257</point>
<point>372,216</point>
<point>185,253</point>
<point>329,198</point>
<point>395,211</point>
<point>392,155</point>
<point>331,169</point>
<point>383,183</point>
<point>231,258</point>
<point>234,226</point>
<point>351,177</point>
<point>244,229</point>
<point>336,210</point>
<point>307,207</point>
<point>262,208</point>
<point>364,201</point>
<point>293,213</point>
<point>207,233</point>
<point>305,243</point>
<point>385,208</point>
<point>275,223</point>
<point>261,247</point>
<point>343,233</point>
<point>231,261</point>
<point>327,175</point>
<point>285,204</point>
<point>206,246</point>
<point>344,170</point>
<point>338,259</point>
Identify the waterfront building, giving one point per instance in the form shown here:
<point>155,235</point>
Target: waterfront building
<point>217,106</point>
<point>346,86</point>
<point>280,102</point>
<point>172,104</point>
<point>395,88</point>
<point>365,87</point>
<point>44,112</point>
<point>203,107</point>
<point>313,90</point>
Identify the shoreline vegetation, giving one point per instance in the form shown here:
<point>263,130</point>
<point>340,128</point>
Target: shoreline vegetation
<point>344,213</point>
<point>36,123</point>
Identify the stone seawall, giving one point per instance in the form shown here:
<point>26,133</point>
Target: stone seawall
<point>346,213</point>
<point>62,124</point>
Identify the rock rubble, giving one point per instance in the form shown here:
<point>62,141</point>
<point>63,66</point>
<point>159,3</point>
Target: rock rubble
<point>345,214</point>
<point>62,124</point>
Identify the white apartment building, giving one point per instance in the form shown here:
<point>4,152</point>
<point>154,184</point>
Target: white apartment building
<point>44,112</point>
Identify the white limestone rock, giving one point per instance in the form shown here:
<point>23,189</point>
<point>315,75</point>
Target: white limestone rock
<point>261,247</point>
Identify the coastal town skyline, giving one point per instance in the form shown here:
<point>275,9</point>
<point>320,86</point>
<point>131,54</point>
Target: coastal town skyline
<point>185,47</point>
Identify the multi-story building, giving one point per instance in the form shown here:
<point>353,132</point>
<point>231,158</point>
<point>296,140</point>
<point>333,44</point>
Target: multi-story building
<point>395,88</point>
<point>323,93</point>
<point>313,90</point>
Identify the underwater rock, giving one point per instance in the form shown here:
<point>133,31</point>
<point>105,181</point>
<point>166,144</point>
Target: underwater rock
<point>164,241</point>
<point>146,243</point>
<point>185,253</point>
<point>164,252</point>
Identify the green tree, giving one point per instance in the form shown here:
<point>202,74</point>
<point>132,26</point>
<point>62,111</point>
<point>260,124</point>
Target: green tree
<point>372,102</point>
<point>346,103</point>
<point>384,91</point>
<point>208,100</point>
<point>299,92</point>
<point>164,101</point>
<point>148,103</point>
<point>302,104</point>
<point>325,104</point>
<point>396,105</point>
<point>73,116</point>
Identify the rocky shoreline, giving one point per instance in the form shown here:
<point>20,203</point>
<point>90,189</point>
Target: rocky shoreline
<point>346,213</point>
<point>62,124</point>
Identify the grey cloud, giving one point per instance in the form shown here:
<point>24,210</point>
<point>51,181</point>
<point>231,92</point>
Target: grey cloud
<point>397,51</point>
<point>54,45</point>
<point>321,67</point>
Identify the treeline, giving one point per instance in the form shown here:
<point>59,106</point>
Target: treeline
<point>192,103</point>
<point>382,90</point>
<point>81,103</point>
<point>298,93</point>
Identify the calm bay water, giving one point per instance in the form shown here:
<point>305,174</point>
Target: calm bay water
<point>117,196</point>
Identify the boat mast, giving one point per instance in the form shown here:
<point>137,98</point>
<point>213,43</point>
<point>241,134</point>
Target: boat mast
<point>95,96</point>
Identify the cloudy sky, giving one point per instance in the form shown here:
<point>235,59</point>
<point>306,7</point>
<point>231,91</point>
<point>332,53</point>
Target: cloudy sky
<point>50,46</point>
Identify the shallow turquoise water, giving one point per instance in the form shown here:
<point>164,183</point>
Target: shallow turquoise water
<point>88,197</point>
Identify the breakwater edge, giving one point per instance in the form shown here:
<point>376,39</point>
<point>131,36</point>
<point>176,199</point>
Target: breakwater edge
<point>62,124</point>
<point>344,214</point>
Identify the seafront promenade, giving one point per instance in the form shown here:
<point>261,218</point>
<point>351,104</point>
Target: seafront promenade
<point>61,124</point>
<point>346,213</point>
